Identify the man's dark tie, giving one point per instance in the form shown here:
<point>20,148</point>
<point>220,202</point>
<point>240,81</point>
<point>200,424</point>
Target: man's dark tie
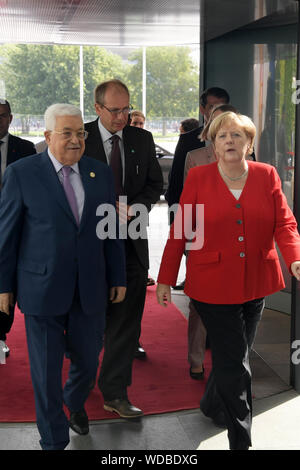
<point>116,165</point>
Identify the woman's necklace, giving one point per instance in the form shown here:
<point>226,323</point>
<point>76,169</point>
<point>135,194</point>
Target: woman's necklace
<point>229,177</point>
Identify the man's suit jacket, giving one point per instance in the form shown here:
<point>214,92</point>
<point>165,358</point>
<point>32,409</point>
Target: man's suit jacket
<point>18,148</point>
<point>238,261</point>
<point>186,142</point>
<point>43,253</point>
<point>143,177</point>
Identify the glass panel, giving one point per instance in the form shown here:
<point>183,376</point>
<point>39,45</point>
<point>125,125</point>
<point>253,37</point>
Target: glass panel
<point>163,83</point>
<point>274,113</point>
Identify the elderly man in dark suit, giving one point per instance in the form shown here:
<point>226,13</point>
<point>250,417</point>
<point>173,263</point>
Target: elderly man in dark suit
<point>138,179</point>
<point>11,149</point>
<point>62,269</point>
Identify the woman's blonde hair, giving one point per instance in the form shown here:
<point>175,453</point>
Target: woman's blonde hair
<point>244,122</point>
<point>137,113</point>
<point>224,107</point>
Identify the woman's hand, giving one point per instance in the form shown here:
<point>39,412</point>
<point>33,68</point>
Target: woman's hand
<point>295,268</point>
<point>163,294</point>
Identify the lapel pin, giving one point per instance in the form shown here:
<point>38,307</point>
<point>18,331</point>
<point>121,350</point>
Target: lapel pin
<point>92,174</point>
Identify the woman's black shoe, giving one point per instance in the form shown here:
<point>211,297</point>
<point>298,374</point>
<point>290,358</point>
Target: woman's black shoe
<point>197,375</point>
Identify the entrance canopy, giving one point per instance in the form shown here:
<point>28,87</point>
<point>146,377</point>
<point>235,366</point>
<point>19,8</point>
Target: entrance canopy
<point>100,22</point>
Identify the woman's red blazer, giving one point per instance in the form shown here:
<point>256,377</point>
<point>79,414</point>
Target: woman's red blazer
<point>238,261</point>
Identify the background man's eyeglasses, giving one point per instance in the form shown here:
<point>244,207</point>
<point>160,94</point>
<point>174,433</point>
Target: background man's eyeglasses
<point>118,111</point>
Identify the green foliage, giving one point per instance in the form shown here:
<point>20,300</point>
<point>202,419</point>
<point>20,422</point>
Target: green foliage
<point>37,76</point>
<point>172,82</point>
<point>99,65</point>
<point>285,72</point>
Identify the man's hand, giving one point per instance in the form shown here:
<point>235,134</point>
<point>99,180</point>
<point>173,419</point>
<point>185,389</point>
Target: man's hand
<point>6,301</point>
<point>123,210</point>
<point>117,294</point>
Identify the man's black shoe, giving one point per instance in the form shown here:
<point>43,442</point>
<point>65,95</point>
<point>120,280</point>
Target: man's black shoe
<point>5,348</point>
<point>79,422</point>
<point>123,408</point>
<point>140,352</point>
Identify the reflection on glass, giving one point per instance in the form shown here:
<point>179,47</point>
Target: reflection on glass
<point>274,114</point>
<point>274,75</point>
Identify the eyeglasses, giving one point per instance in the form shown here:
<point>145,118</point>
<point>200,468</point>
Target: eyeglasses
<point>115,112</point>
<point>67,135</point>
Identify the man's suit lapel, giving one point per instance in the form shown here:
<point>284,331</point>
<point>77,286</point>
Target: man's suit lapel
<point>130,159</point>
<point>96,141</point>
<point>49,177</point>
<point>88,178</point>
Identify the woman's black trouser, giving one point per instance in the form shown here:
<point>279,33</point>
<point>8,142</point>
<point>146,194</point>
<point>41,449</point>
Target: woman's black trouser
<point>231,330</point>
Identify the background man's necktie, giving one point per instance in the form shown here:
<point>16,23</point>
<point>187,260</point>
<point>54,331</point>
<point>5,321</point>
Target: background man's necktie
<point>66,170</point>
<point>116,165</point>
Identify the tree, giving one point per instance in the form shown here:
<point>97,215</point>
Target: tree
<point>172,82</point>
<point>37,76</point>
<point>99,65</point>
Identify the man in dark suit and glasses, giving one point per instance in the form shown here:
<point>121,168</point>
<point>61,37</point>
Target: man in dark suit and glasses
<point>62,271</point>
<point>11,149</point>
<point>138,177</point>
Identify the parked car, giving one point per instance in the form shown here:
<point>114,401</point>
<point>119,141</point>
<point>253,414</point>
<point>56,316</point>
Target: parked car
<point>165,160</point>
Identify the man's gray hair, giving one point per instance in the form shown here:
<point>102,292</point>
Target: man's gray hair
<point>59,109</point>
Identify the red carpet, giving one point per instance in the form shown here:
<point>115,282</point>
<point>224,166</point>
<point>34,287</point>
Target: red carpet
<point>160,384</point>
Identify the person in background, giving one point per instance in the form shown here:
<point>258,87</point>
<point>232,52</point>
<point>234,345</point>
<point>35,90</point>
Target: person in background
<point>188,125</point>
<point>187,142</point>
<point>197,337</point>
<point>138,177</point>
<point>12,148</point>
<point>137,119</point>
<point>233,262</point>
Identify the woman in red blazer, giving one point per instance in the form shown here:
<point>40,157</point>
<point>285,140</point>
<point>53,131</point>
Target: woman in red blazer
<point>236,211</point>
